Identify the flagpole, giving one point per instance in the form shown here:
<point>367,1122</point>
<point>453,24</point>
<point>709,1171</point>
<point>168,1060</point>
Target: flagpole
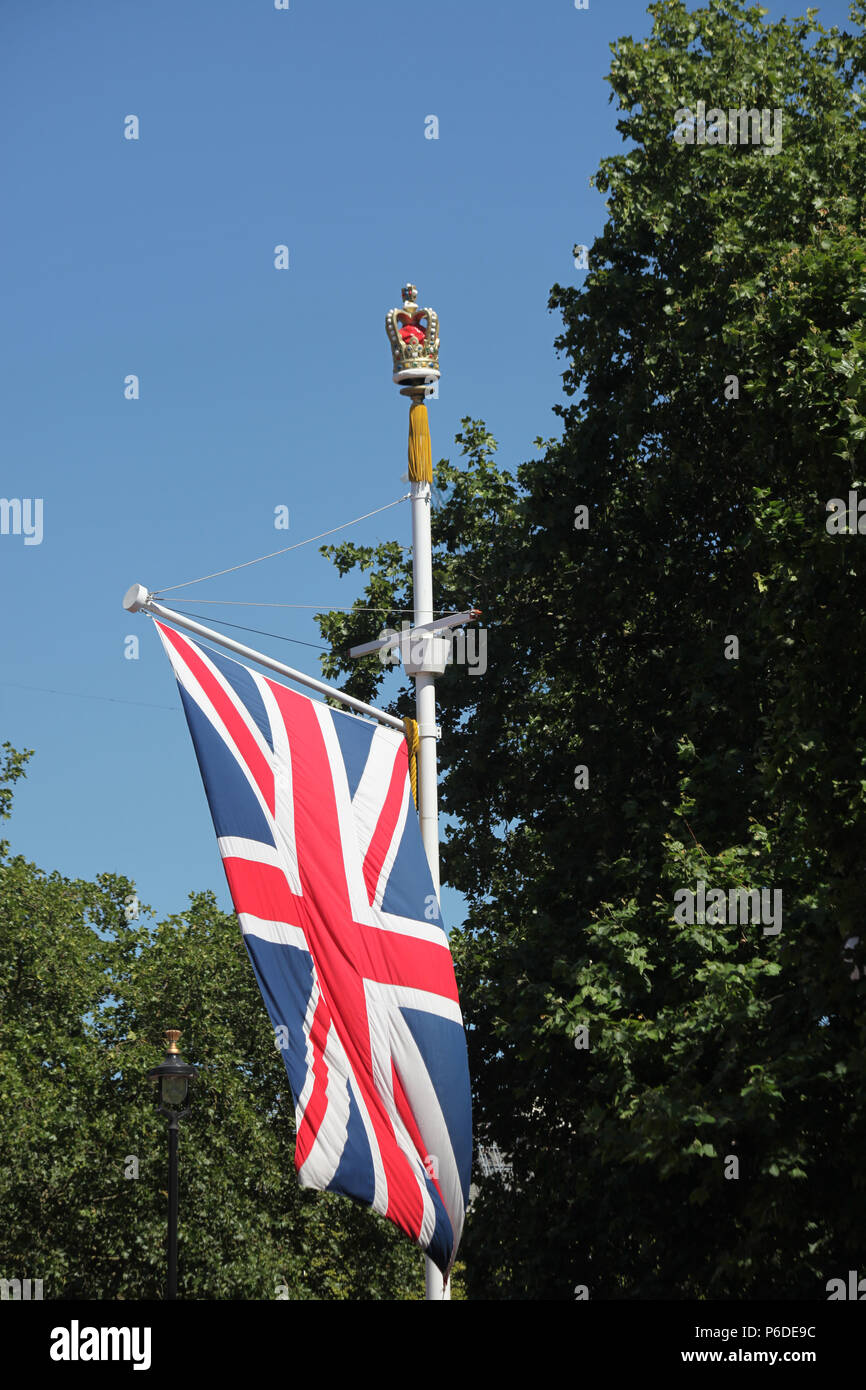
<point>414,336</point>
<point>425,686</point>
<point>138,599</point>
<point>425,714</point>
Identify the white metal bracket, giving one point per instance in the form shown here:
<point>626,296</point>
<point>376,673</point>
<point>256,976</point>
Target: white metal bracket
<point>407,636</point>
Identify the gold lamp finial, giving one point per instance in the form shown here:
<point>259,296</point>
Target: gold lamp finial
<point>171,1036</point>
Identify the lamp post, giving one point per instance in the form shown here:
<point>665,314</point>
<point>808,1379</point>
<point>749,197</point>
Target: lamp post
<point>172,1078</point>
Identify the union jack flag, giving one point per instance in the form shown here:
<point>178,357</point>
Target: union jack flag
<point>313,814</point>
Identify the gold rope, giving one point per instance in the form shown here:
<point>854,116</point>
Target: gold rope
<point>413,739</point>
<point>420,453</point>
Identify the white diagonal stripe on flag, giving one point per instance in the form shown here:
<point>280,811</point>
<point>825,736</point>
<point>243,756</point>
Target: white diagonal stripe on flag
<point>193,688</point>
<point>323,1160</point>
<point>284,806</point>
<point>377,1004</point>
<point>394,846</point>
<point>408,926</point>
<point>367,800</point>
<point>278,932</point>
<point>409,1063</point>
<point>254,851</point>
<point>352,861</point>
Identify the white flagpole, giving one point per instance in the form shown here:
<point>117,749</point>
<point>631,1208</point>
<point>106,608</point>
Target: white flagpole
<point>414,336</point>
<point>428,773</point>
<point>425,686</point>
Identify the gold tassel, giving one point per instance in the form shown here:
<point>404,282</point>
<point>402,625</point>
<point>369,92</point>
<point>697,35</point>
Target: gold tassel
<point>413,739</point>
<point>420,452</point>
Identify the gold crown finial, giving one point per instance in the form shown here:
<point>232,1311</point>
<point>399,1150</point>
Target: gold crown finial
<point>171,1037</point>
<point>414,337</point>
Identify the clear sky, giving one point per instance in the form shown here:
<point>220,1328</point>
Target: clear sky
<point>259,387</point>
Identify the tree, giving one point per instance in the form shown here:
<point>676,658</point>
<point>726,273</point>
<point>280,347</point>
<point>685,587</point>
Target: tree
<point>738,764</point>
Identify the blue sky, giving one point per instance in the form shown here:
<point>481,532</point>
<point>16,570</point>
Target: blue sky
<point>258,387</point>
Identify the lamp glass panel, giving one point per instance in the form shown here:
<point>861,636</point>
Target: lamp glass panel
<point>174,1089</point>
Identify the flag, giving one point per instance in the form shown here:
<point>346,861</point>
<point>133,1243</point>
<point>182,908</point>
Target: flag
<point>322,851</point>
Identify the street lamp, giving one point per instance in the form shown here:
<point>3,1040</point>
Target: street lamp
<point>172,1078</point>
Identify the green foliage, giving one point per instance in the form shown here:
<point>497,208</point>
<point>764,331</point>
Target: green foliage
<point>606,648</point>
<point>85,997</point>
<point>12,766</point>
